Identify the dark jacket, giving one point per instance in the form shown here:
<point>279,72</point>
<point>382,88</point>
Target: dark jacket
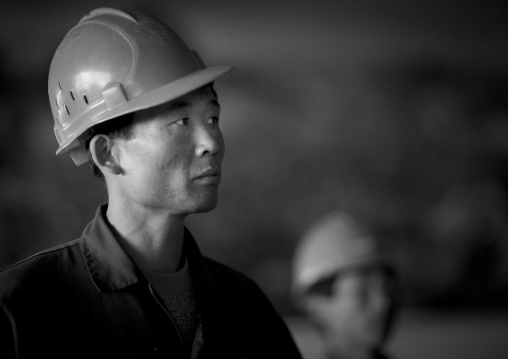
<point>88,299</point>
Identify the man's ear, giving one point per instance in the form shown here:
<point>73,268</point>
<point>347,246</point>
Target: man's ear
<point>101,149</point>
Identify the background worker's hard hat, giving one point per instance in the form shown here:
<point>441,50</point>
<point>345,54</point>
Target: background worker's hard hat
<point>113,63</point>
<point>334,243</point>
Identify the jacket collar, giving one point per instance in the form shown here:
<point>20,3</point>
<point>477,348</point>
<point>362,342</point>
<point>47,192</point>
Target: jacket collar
<point>111,268</point>
<point>109,265</point>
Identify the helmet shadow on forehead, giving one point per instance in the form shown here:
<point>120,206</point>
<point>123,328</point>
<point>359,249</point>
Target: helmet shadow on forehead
<point>183,101</point>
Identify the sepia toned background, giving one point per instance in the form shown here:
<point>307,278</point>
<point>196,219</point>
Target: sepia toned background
<point>395,111</point>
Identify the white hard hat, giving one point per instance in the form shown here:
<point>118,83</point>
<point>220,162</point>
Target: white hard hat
<point>334,243</point>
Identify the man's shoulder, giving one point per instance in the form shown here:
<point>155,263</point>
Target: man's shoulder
<point>220,270</point>
<point>247,303</point>
<point>42,256</point>
<point>231,280</point>
<point>38,265</point>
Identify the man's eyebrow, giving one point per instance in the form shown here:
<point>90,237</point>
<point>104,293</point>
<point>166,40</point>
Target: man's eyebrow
<point>184,104</point>
<point>179,105</point>
<point>215,103</point>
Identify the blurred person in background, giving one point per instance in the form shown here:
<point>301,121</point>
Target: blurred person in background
<point>130,98</point>
<point>345,286</point>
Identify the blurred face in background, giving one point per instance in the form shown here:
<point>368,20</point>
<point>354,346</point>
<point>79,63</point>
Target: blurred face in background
<point>354,310</point>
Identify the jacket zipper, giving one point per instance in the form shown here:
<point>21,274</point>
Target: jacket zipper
<point>165,311</point>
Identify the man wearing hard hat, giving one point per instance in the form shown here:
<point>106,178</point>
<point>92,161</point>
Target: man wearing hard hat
<point>129,97</point>
<point>343,283</point>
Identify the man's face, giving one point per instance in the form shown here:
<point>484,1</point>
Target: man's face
<point>357,313</point>
<point>173,160</point>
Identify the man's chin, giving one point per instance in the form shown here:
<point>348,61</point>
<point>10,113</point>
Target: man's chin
<point>205,209</point>
<point>207,204</point>
<point>202,201</point>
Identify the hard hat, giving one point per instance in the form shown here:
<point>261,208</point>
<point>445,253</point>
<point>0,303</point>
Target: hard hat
<point>113,63</point>
<point>335,243</point>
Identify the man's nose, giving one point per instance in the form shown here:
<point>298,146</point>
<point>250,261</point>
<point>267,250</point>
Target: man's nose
<point>209,141</point>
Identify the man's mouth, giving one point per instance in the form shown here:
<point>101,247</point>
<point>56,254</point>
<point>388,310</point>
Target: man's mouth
<point>210,175</point>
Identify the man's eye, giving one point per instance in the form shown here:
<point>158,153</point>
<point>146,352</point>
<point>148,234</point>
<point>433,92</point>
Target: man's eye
<point>213,120</point>
<point>182,122</point>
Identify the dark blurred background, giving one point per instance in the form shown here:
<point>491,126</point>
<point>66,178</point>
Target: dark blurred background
<point>396,111</point>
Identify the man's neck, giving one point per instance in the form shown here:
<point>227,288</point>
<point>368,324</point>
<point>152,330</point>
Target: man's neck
<point>153,238</point>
